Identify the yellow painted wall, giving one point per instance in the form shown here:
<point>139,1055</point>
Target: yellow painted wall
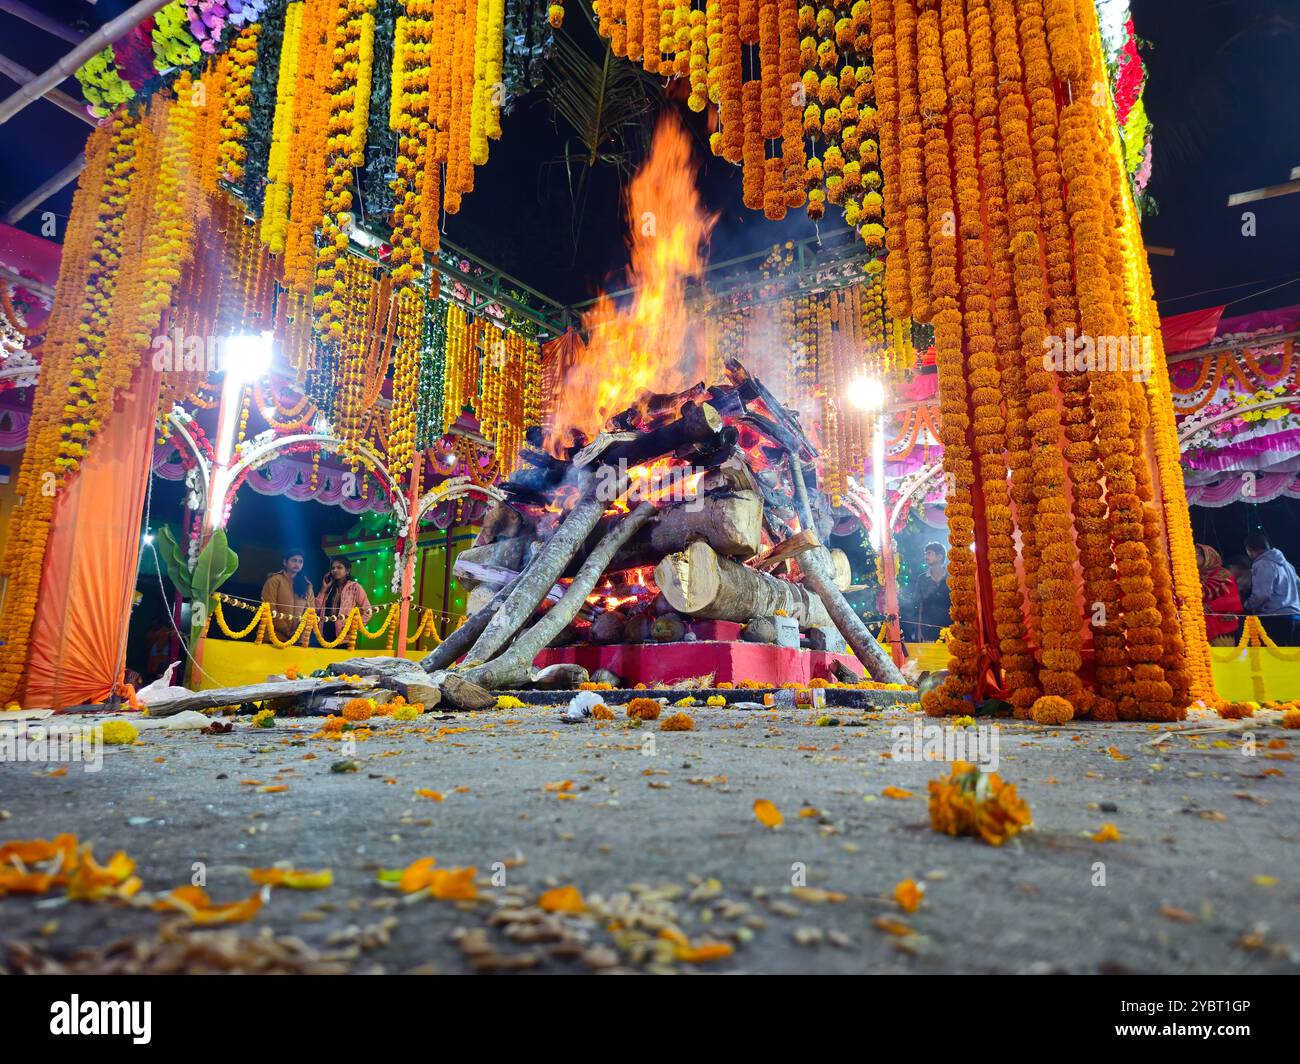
<point>231,663</point>
<point>1257,675</point>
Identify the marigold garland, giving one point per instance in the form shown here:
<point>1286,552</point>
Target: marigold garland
<point>985,120</point>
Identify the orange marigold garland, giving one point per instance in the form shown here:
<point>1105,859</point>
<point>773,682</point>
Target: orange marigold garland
<point>1012,232</point>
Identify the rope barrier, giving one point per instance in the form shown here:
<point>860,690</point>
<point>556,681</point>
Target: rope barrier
<point>262,626</point>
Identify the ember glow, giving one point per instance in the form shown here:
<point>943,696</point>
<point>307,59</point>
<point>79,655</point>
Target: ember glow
<point>643,345</point>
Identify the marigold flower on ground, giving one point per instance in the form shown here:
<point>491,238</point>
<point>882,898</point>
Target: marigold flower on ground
<point>678,722</point>
<point>602,712</point>
<point>91,881</point>
<point>359,709</point>
<point>195,903</point>
<point>118,733</point>
<point>1236,710</point>
<point>510,702</point>
<point>1291,718</point>
<point>293,878</point>
<point>566,899</point>
<point>704,952</point>
<point>767,813</point>
<point>896,792</point>
<point>715,701</point>
<point>644,709</point>
<point>1108,832</point>
<point>1052,709</point>
<point>908,895</point>
<point>453,884</point>
<point>971,802</point>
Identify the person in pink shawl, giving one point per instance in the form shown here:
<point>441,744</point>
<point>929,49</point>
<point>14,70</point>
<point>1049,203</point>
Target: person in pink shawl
<point>338,597</point>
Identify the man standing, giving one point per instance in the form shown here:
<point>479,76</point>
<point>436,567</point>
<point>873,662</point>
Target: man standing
<point>1274,590</point>
<point>929,609</point>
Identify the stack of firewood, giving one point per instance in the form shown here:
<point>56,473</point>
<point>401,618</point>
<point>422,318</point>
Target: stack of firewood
<point>700,504</point>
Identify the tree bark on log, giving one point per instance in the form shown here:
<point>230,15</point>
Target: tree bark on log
<point>446,653</point>
<point>699,582</point>
<point>732,524</point>
<point>818,574</point>
<point>540,576</point>
<point>513,668</point>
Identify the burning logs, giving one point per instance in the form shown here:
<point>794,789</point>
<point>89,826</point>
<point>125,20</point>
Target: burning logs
<point>608,627</point>
<point>514,668</point>
<point>540,576</point>
<point>695,424</point>
<point>731,523</point>
<point>701,583</point>
<point>703,492</point>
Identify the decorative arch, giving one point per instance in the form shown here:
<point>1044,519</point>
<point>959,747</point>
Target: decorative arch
<point>454,488</point>
<point>1190,429</point>
<point>263,450</point>
<point>180,425</point>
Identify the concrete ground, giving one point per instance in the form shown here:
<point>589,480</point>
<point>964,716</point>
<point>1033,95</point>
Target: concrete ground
<point>656,830</point>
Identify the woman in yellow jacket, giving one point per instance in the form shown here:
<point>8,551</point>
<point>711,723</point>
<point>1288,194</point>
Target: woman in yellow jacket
<point>289,593</point>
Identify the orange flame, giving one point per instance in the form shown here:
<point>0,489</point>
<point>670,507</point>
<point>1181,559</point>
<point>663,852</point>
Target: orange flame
<point>643,344</point>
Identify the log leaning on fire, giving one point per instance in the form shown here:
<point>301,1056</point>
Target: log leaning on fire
<point>817,572</point>
<point>541,575</point>
<point>514,667</point>
<point>701,583</point>
<point>445,654</point>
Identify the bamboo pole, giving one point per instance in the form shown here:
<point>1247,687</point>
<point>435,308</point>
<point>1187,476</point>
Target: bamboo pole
<point>16,72</point>
<point>73,61</point>
<point>59,181</point>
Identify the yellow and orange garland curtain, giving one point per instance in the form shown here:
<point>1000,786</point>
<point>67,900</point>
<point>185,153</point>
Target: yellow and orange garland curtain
<point>1009,223</point>
<point>783,76</point>
<point>138,206</point>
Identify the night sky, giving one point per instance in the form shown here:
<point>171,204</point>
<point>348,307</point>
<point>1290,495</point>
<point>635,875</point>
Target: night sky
<point>1224,79</point>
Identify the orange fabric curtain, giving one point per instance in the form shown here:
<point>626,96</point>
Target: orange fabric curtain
<point>78,642</point>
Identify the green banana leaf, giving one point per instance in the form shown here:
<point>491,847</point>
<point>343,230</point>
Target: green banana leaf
<point>178,571</point>
<point>216,564</point>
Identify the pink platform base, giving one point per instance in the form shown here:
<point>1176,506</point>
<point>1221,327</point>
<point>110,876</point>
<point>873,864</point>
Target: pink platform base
<point>730,662</point>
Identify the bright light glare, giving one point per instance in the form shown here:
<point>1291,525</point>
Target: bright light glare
<point>867,393</point>
<point>248,355</point>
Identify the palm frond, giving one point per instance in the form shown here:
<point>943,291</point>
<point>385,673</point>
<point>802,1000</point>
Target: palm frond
<point>607,102</point>
<point>604,101</point>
